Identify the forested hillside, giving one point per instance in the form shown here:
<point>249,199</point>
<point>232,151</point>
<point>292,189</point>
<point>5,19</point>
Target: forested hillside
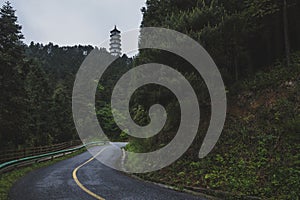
<point>256,46</point>
<point>258,151</point>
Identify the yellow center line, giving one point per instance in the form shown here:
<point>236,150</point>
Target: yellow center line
<point>80,184</point>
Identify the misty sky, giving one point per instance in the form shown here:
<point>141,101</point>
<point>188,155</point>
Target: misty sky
<point>71,22</point>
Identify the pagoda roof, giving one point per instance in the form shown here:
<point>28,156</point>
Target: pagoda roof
<point>115,30</point>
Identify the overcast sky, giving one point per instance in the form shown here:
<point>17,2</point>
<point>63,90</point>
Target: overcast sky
<point>71,22</point>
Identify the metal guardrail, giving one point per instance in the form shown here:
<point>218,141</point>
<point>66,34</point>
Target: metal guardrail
<point>14,163</point>
<point>14,154</point>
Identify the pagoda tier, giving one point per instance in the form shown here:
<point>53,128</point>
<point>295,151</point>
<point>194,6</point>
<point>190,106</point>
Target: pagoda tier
<point>115,42</point>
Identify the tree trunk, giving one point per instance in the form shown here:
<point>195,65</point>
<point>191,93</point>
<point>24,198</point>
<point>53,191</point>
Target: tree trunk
<point>286,33</point>
<point>236,70</point>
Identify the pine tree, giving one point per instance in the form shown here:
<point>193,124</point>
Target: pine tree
<point>11,45</point>
<point>11,77</point>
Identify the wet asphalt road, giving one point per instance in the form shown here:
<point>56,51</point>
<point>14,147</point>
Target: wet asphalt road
<point>56,182</point>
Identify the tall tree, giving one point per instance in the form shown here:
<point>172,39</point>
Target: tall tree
<point>11,45</point>
<point>11,77</point>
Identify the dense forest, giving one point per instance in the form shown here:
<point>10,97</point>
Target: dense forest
<point>35,107</point>
<point>255,44</point>
<point>243,38</point>
<point>36,88</point>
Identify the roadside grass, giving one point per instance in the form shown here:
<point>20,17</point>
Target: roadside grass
<point>8,179</point>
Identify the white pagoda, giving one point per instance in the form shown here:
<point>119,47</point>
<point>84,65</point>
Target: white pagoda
<point>115,42</point>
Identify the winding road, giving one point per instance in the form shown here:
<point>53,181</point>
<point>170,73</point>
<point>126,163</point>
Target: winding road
<point>83,177</point>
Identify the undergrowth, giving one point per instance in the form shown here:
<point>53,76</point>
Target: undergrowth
<point>258,153</point>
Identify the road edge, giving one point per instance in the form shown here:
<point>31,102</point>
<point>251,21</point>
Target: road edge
<point>186,190</point>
